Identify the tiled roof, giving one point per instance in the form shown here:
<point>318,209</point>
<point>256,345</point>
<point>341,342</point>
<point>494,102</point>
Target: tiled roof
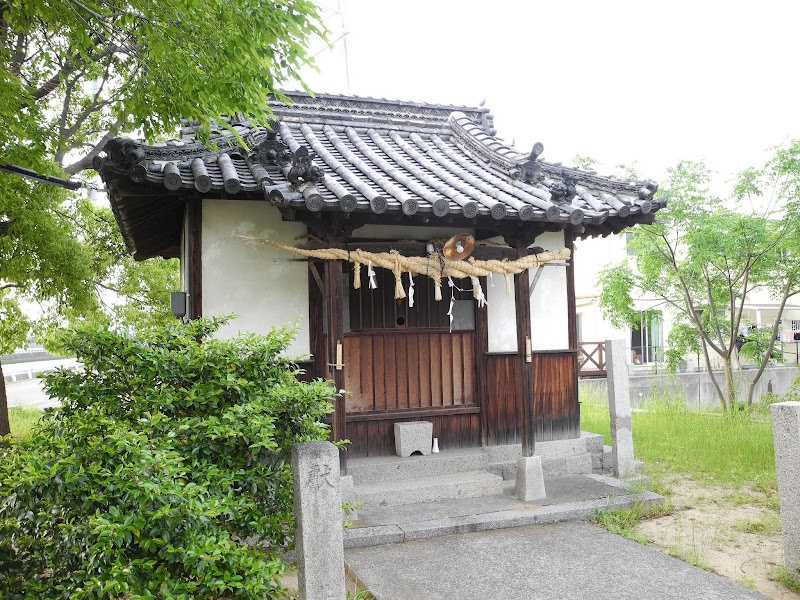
<point>370,156</point>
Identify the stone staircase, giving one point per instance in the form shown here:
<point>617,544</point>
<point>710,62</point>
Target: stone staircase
<point>394,481</point>
<point>467,473</point>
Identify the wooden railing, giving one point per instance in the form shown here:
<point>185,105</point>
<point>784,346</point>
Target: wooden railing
<point>592,359</point>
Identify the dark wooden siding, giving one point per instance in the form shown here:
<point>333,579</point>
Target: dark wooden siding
<point>555,393</point>
<point>503,406</point>
<point>407,369</point>
<point>410,375</point>
<point>378,308</point>
<point>373,434</point>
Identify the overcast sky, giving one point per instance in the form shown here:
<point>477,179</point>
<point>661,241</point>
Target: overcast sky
<point>620,81</point>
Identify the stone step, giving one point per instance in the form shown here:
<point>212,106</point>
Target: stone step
<point>394,468</point>
<point>575,464</point>
<point>430,489</point>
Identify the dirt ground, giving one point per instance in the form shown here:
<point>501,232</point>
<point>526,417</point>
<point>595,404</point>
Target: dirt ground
<point>733,532</point>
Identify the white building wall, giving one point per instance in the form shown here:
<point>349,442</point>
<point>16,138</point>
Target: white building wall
<point>242,279</point>
<point>501,315</point>
<point>549,316</point>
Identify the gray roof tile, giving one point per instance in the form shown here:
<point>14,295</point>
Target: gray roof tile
<point>376,156</point>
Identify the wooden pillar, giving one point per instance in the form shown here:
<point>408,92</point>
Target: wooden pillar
<point>572,313</point>
<point>572,331</point>
<point>522,302</point>
<point>194,228</point>
<point>316,304</point>
<point>482,347</point>
<point>334,303</point>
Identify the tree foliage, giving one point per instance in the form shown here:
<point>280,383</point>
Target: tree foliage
<point>80,72</point>
<point>703,256</point>
<point>76,73</point>
<point>168,451</point>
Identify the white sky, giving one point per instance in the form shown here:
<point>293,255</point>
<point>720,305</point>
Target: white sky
<point>620,81</point>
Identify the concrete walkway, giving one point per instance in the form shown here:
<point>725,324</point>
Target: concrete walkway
<point>569,560</point>
<point>569,498</point>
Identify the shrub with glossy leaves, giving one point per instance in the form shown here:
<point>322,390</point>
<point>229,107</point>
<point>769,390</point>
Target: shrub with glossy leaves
<point>168,451</point>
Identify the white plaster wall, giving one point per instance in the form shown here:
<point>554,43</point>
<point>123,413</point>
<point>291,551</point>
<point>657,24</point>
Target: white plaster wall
<point>549,315</point>
<point>502,315</point>
<point>241,278</point>
<point>549,325</point>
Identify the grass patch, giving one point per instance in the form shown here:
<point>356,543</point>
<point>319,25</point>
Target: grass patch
<point>692,556</point>
<point>780,574</point>
<point>623,520</point>
<point>768,525</point>
<point>728,448</point>
<point>22,419</point>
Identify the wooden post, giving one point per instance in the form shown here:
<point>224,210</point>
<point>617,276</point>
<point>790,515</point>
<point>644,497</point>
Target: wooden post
<point>572,313</point>
<point>523,309</point>
<point>195,258</point>
<point>333,302</point>
<point>481,348</point>
<point>572,328</point>
<point>316,303</point>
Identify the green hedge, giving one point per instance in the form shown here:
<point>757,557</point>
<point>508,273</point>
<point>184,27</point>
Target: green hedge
<point>169,450</point>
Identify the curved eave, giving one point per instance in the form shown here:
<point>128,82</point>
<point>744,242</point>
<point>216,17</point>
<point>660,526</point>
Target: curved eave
<point>394,163</point>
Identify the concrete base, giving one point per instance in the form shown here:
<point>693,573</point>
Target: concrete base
<point>530,479</point>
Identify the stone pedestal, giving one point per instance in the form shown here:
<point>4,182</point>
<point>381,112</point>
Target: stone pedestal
<point>530,479</point>
<point>318,515</point>
<point>413,436</point>
<point>786,435</point>
<point>619,408</point>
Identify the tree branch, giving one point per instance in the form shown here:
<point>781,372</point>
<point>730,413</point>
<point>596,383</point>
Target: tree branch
<point>72,65</point>
<point>94,106</point>
<point>18,55</point>
<point>86,161</point>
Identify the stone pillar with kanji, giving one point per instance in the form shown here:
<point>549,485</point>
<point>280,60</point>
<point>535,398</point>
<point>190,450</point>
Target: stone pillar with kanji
<point>318,521</point>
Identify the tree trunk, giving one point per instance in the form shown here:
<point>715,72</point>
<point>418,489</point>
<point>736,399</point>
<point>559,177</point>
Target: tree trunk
<point>730,384</point>
<point>5,427</point>
<point>751,387</point>
<point>711,377</point>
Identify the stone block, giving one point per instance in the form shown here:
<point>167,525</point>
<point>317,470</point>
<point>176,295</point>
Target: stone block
<point>509,471</point>
<point>786,435</point>
<point>530,479</point>
<point>505,453</point>
<point>430,489</point>
<point>560,448</point>
<point>413,436</point>
<point>597,463</point>
<point>594,442</point>
<point>318,521</point>
<point>580,464</point>
<point>554,466</point>
<point>619,407</point>
<point>360,537</point>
